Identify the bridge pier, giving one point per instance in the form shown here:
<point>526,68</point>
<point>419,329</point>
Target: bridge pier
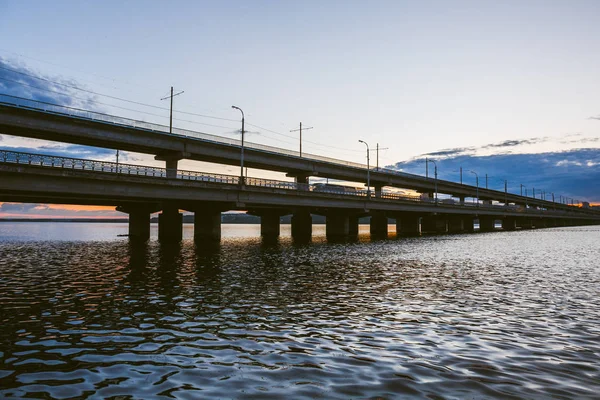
<point>207,225</point>
<point>526,223</point>
<point>353,226</point>
<point>139,221</point>
<point>269,225</point>
<point>487,224</point>
<point>379,224</point>
<point>378,189</point>
<point>139,225</point>
<point>434,224</point>
<point>408,225</point>
<point>509,224</point>
<point>171,158</point>
<point>337,226</point>
<point>468,224</point>
<point>170,225</point>
<point>456,224</point>
<point>301,225</point>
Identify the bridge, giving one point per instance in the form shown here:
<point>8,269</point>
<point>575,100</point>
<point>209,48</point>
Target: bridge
<point>140,191</point>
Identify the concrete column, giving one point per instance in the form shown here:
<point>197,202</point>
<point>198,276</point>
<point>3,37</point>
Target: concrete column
<point>139,225</point>
<point>269,225</point>
<point>378,191</point>
<point>301,225</point>
<point>509,223</point>
<point>207,225</point>
<point>462,201</point>
<point>379,225</point>
<point>434,224</point>
<point>525,223</point>
<point>456,224</point>
<point>487,224</point>
<point>468,224</point>
<point>408,225</point>
<point>353,226</point>
<point>337,226</point>
<point>170,225</point>
<point>171,168</point>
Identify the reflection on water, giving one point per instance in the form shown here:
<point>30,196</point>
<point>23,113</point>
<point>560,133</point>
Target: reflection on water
<point>456,316</point>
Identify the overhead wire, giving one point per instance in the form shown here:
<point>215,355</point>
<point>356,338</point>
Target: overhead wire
<point>114,97</point>
<point>329,147</point>
<point>109,105</point>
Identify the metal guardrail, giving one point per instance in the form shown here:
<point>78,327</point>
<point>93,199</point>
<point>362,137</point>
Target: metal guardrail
<point>48,161</point>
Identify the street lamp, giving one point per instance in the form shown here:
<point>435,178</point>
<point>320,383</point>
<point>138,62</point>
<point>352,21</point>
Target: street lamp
<point>242,155</point>
<point>368,170</point>
<point>435,175</point>
<point>477,183</point>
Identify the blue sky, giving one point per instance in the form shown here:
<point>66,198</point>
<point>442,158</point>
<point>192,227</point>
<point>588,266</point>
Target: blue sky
<point>509,88</point>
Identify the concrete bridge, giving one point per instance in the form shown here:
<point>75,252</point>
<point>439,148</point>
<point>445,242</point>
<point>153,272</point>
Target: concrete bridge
<point>140,191</point>
<point>27,118</point>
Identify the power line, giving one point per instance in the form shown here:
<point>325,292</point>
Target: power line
<point>152,106</point>
<point>306,141</point>
<point>111,105</point>
<point>113,97</point>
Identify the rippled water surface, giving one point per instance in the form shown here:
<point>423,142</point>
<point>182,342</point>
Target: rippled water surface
<point>495,315</point>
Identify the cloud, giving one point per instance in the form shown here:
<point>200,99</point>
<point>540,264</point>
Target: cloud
<point>598,117</point>
<point>18,80</point>
<point>573,173</point>
<point>67,150</point>
<point>514,143</point>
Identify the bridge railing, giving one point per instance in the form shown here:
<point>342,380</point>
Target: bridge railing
<point>13,157</point>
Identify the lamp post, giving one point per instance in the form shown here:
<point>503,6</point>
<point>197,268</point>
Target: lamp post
<point>242,154</point>
<point>435,179</point>
<point>368,170</point>
<point>477,185</point>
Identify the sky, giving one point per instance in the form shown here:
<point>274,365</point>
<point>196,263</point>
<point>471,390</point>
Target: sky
<point>508,89</point>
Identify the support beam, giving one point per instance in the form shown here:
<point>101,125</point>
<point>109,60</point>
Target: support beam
<point>487,224</point>
<point>139,220</point>
<point>139,225</point>
<point>456,224</point>
<point>269,225</point>
<point>525,223</point>
<point>170,225</point>
<point>468,224</point>
<point>301,225</point>
<point>408,225</point>
<point>299,178</point>
<point>337,226</point>
<point>207,225</point>
<point>353,226</point>
<point>509,223</point>
<point>378,189</point>
<point>378,226</point>
<point>434,224</point>
<point>171,158</point>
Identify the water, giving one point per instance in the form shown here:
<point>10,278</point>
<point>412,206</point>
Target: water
<point>85,315</point>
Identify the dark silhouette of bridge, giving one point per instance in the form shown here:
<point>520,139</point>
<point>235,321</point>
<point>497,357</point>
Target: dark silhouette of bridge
<point>140,191</point>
